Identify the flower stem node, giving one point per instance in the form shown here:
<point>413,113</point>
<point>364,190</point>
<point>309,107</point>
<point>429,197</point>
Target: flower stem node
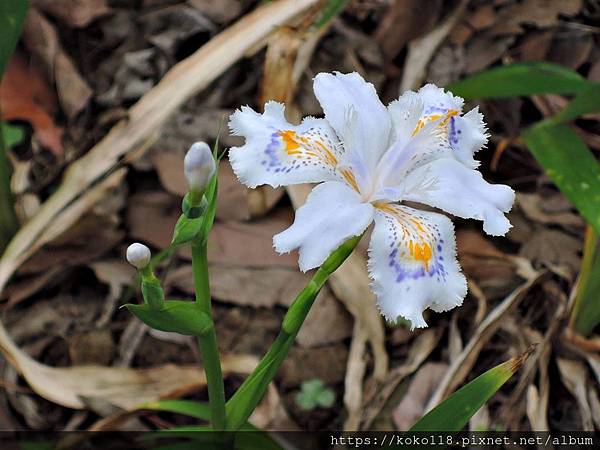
<point>193,208</point>
<point>138,255</point>
<point>152,291</point>
<point>199,167</point>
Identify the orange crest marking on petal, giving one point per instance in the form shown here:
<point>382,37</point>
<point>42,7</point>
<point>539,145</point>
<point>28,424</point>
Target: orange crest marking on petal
<point>419,246</point>
<point>445,118</point>
<point>289,139</point>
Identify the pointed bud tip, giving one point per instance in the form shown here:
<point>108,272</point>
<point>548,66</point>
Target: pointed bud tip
<point>199,166</point>
<point>138,255</point>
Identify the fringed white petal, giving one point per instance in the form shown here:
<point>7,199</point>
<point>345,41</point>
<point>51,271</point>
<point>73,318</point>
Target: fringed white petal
<point>354,111</point>
<point>278,153</point>
<point>412,262</point>
<point>467,135</point>
<point>332,214</point>
<point>437,101</point>
<point>449,185</point>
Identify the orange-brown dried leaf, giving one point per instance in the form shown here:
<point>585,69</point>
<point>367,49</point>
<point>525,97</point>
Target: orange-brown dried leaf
<point>24,95</point>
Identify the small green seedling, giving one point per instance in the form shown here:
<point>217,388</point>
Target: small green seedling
<point>313,394</point>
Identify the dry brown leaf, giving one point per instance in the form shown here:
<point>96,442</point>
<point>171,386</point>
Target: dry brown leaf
<point>31,102</point>
<point>403,21</point>
<point>537,399</point>
<point>267,287</point>
<point>419,351</point>
<point>549,248</point>
<point>75,13</point>
<point>251,244</point>
<point>575,378</point>
<point>355,374</point>
<point>132,136</point>
<point>42,40</point>
<point>151,217</point>
<point>534,46</point>
<point>421,49</point>
<point>234,200</point>
<point>122,387</point>
<point>422,386</point>
<point>327,363</point>
<point>543,13</point>
<point>223,11</point>
<point>461,366</point>
<point>550,210</point>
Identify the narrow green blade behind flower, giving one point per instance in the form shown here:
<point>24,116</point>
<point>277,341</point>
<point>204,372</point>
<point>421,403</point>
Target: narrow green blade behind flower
<point>517,79</point>
<point>454,413</point>
<point>570,164</point>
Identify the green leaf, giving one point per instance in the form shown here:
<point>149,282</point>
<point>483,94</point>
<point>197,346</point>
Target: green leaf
<point>12,15</point>
<point>12,135</point>
<point>521,79</point>
<point>453,413</point>
<point>314,393</point>
<point>175,316</point>
<point>586,102</point>
<point>198,410</point>
<point>586,310</point>
<point>329,11</point>
<point>570,164</point>
<point>186,229</point>
<point>153,293</point>
<point>326,398</point>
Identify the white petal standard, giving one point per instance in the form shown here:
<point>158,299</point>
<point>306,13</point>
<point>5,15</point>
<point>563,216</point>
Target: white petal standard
<point>463,192</point>
<point>278,153</point>
<point>412,262</point>
<point>333,213</point>
<point>353,109</point>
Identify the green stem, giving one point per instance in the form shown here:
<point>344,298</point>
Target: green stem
<point>208,342</point>
<point>589,255</point>
<point>247,397</point>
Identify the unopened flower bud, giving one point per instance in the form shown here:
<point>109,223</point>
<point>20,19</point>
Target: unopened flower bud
<point>199,166</point>
<point>138,255</point>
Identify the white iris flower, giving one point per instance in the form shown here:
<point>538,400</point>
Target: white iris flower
<point>371,158</point>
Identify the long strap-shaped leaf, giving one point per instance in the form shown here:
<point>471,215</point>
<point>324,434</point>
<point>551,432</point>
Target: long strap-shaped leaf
<point>517,79</point>
<point>453,413</point>
<point>570,164</point>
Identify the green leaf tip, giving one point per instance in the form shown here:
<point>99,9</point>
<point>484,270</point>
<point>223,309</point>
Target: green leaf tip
<point>452,414</point>
<point>175,316</point>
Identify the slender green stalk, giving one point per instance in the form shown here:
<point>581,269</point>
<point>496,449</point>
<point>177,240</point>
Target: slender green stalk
<point>208,342</point>
<point>247,397</point>
<point>578,321</point>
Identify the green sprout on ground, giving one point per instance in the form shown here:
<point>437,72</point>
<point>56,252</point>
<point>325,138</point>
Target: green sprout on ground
<point>313,394</point>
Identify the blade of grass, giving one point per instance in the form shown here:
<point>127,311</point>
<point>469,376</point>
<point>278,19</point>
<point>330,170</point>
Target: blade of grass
<point>586,102</point>
<point>12,15</point>
<point>586,308</point>
<point>453,413</point>
<point>329,11</point>
<point>521,79</point>
<point>570,164</point>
